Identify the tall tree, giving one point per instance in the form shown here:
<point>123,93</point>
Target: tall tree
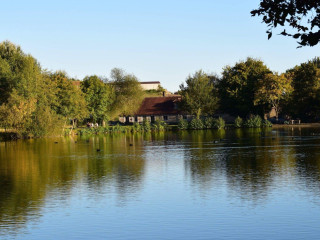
<point>272,89</point>
<point>70,103</point>
<point>301,16</point>
<point>199,95</point>
<point>99,97</point>
<point>238,85</point>
<point>306,94</point>
<point>18,71</point>
<point>25,107</point>
<point>128,92</point>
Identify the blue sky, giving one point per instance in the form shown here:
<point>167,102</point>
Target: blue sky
<point>155,40</point>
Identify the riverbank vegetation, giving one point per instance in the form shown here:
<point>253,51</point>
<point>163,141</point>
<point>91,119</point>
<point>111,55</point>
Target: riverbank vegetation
<point>146,126</point>
<point>36,102</point>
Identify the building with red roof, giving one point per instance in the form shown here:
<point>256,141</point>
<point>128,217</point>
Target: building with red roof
<point>164,108</point>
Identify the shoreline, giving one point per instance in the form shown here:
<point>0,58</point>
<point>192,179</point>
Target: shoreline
<point>5,136</point>
<point>304,125</point>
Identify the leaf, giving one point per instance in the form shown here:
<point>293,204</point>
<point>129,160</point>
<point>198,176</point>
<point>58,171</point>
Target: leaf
<point>269,35</point>
<point>296,35</point>
<point>284,33</point>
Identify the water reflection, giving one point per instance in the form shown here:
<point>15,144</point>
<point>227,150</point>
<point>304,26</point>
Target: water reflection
<point>249,164</point>
<point>34,169</point>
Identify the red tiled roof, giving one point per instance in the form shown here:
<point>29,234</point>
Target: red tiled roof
<point>159,106</point>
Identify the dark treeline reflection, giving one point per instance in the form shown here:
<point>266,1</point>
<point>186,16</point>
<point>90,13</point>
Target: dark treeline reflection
<point>247,163</point>
<point>250,163</point>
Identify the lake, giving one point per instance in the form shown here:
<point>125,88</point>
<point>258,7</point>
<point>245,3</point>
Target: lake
<point>219,184</point>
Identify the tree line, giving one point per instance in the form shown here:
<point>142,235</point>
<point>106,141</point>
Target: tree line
<point>37,102</point>
<point>250,88</point>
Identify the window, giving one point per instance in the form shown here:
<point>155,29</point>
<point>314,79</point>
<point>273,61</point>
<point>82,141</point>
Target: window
<point>165,118</point>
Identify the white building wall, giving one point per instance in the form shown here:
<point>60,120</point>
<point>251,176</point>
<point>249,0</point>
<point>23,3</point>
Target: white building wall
<point>150,86</point>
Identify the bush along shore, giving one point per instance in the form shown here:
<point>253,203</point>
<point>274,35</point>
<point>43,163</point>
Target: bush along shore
<point>157,126</point>
<point>218,123</point>
<point>160,126</point>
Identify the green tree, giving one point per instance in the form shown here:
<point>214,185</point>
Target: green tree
<point>272,89</point>
<point>5,80</point>
<point>303,17</point>
<point>128,93</point>
<point>18,71</point>
<point>17,112</point>
<point>70,102</point>
<point>199,94</point>
<point>99,97</point>
<point>26,94</point>
<point>238,85</point>
<point>306,93</point>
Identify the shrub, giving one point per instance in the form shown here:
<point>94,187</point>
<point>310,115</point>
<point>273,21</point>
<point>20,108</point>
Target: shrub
<point>196,123</point>
<point>67,131</point>
<point>91,131</point>
<point>266,123</point>
<point>146,126</point>
<point>238,122</point>
<point>118,128</point>
<point>106,127</point>
<point>86,131</point>
<point>136,127</point>
<point>99,130</point>
<point>82,131</point>
<point>254,122</point>
<point>208,122</point>
<point>159,125</point>
<point>183,124</point>
<point>219,123</point>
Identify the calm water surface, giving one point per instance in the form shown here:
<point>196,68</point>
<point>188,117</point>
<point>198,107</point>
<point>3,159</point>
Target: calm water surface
<point>234,184</point>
